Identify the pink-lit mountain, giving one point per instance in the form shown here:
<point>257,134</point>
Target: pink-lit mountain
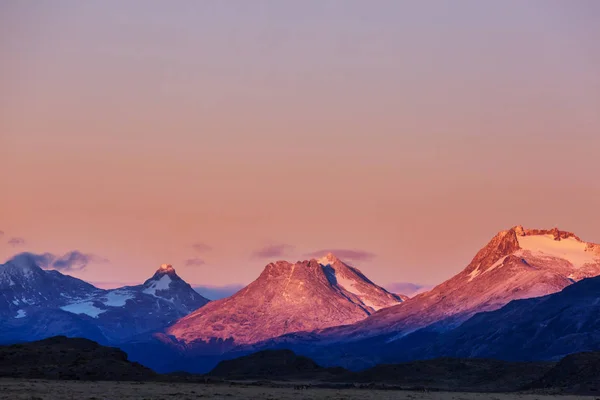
<point>286,297</point>
<point>517,263</point>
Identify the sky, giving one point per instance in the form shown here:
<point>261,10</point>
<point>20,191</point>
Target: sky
<point>221,136</point>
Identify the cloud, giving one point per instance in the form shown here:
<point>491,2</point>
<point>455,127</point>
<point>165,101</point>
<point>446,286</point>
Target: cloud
<point>218,292</point>
<point>16,241</point>
<point>194,262</point>
<point>271,251</point>
<point>71,261</point>
<point>407,288</point>
<point>1,233</point>
<point>26,258</point>
<point>201,247</point>
<point>344,254</point>
<point>76,261</point>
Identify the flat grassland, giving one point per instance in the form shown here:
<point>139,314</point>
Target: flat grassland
<point>34,389</point>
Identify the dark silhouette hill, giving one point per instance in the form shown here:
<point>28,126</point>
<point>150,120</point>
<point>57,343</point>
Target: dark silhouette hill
<point>273,364</point>
<point>576,373</point>
<point>60,357</point>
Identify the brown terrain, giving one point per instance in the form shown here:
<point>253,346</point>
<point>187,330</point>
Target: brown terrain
<point>19,389</point>
<point>62,368</point>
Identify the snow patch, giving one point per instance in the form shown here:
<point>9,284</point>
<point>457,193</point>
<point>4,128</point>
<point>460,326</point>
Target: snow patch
<point>21,314</point>
<point>474,274</point>
<point>326,260</point>
<point>368,303</point>
<point>86,307</point>
<point>349,285</point>
<point>162,284</point>
<point>569,249</point>
<point>117,299</point>
<point>495,265</point>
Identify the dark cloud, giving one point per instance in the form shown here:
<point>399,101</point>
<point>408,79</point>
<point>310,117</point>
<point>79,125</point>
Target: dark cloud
<point>76,261</point>
<point>271,251</point>
<point>72,261</point>
<point>201,247</point>
<point>218,292</point>
<point>42,260</point>
<point>344,254</point>
<point>194,262</point>
<point>16,241</point>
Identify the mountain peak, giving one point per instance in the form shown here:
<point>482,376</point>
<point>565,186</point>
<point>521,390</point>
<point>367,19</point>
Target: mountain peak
<point>286,298</point>
<point>328,259</point>
<point>166,268</point>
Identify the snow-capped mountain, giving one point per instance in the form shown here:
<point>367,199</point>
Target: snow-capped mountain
<point>516,264</point>
<point>131,310</point>
<point>25,288</point>
<point>286,297</point>
<point>28,293</point>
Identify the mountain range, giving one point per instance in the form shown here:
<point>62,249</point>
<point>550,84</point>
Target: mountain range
<point>516,264</point>
<point>37,303</point>
<point>524,296</point>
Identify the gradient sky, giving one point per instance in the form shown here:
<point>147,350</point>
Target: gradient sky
<point>409,132</point>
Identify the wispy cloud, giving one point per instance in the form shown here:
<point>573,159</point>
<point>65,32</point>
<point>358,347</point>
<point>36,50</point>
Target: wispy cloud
<point>274,250</point>
<point>76,261</point>
<point>194,262</point>
<point>16,241</point>
<point>71,261</point>
<point>407,288</point>
<point>201,247</point>
<point>344,254</point>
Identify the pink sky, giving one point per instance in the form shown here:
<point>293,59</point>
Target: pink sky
<point>407,132</point>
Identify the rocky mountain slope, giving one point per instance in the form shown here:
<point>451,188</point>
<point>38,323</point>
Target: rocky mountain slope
<point>286,297</point>
<point>543,328</point>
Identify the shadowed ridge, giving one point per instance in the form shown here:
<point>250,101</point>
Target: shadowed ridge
<point>69,358</point>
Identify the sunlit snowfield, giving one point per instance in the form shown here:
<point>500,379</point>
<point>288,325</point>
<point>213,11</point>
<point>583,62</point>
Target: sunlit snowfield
<point>66,390</point>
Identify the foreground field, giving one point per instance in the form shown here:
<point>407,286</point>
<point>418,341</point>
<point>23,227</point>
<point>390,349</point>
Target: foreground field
<point>17,389</point>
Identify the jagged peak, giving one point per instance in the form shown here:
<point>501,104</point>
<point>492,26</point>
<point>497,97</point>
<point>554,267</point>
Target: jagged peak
<point>501,245</point>
<point>518,238</point>
<point>557,233</point>
<point>164,269</point>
